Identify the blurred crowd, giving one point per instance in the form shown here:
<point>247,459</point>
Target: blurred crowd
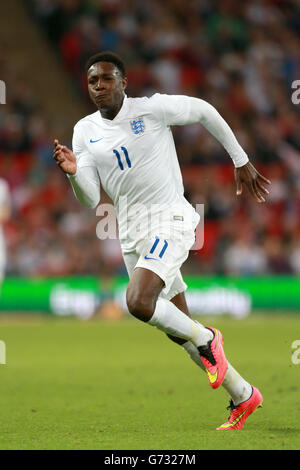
<point>242,57</point>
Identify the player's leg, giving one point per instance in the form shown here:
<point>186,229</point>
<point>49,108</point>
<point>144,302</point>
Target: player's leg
<point>163,257</point>
<point>244,398</point>
<point>237,387</point>
<point>180,301</point>
<point>143,303</point>
<point>195,354</point>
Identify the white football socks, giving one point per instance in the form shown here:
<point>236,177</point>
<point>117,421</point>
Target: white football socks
<point>168,318</point>
<point>236,386</point>
<point>238,389</point>
<point>193,353</point>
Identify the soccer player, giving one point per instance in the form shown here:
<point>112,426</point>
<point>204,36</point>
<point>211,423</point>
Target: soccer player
<point>128,148</point>
<point>4,216</point>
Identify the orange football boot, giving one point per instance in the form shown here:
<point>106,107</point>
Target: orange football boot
<point>241,412</point>
<point>213,358</point>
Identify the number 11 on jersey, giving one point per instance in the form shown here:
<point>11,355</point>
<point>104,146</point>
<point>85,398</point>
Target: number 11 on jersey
<point>120,160</point>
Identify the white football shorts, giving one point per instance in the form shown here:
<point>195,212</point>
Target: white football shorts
<point>163,253</point>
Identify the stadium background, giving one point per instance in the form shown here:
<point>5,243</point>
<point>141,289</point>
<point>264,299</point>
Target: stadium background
<point>241,57</point>
<point>111,384</point>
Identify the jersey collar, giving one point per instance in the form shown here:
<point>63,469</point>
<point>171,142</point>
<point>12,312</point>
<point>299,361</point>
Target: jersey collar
<point>119,116</point>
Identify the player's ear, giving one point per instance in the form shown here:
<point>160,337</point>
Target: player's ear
<point>124,83</point>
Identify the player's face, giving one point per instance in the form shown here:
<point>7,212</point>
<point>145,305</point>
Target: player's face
<point>106,85</point>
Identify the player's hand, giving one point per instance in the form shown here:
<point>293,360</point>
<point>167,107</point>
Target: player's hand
<point>249,176</point>
<point>65,158</point>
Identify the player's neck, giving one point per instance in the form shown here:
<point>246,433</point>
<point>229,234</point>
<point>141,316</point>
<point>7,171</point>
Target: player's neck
<point>110,113</point>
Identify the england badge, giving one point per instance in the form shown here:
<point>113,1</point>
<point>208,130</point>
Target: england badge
<point>137,125</point>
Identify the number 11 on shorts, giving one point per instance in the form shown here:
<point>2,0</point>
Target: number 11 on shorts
<point>154,246</point>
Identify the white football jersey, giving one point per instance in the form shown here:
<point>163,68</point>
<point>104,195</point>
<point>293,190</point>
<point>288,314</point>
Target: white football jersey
<point>135,156</point>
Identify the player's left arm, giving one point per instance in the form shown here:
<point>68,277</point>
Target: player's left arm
<point>245,173</point>
<point>182,110</point>
<point>252,179</point>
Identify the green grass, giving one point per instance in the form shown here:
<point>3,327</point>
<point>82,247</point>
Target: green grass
<point>99,385</point>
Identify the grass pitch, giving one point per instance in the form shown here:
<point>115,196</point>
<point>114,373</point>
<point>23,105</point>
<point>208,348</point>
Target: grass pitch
<point>70,384</point>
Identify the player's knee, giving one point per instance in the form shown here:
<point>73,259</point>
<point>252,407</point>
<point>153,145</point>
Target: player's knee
<point>139,305</point>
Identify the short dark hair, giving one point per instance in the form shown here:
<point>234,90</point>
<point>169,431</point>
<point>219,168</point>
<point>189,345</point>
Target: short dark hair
<point>107,56</point>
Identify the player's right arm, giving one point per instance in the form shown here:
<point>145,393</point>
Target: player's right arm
<point>65,158</point>
<point>81,170</point>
